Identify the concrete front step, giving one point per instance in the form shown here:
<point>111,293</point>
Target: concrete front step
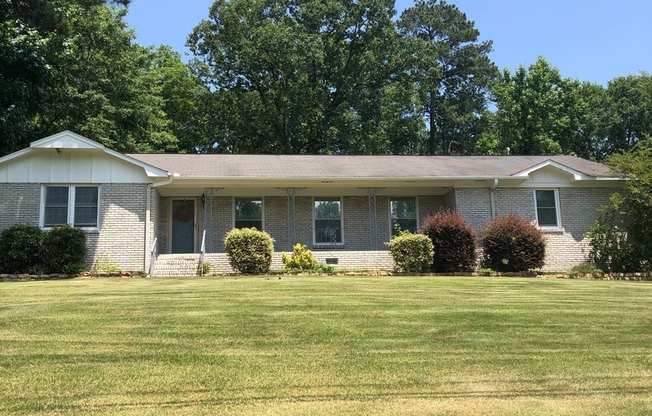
<point>176,265</point>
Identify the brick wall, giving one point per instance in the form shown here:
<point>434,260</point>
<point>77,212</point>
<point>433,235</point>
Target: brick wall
<point>346,260</point>
<point>474,204</point>
<point>19,203</point>
<point>122,226</point>
<point>517,200</point>
<point>449,200</point>
<point>428,205</point>
<point>276,221</point>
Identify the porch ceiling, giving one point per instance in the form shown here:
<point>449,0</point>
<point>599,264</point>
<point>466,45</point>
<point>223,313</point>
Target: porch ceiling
<point>321,187</point>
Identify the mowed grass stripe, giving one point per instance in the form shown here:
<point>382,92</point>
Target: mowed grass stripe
<point>324,345</point>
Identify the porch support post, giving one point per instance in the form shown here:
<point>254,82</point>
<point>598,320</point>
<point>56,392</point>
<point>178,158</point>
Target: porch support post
<point>292,213</point>
<point>373,217</point>
<point>208,217</point>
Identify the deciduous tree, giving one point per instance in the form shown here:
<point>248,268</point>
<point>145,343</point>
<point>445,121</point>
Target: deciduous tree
<point>304,77</point>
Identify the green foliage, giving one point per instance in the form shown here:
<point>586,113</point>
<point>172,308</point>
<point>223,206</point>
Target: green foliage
<point>412,253</point>
<point>451,71</point>
<point>325,268</point>
<point>28,249</point>
<point>300,259</point>
<point>20,246</point>
<point>610,249</point>
<point>299,77</point>
<point>620,238</point>
<point>204,268</point>
<point>629,100</point>
<point>72,64</point>
<point>64,250</point>
<point>453,240</point>
<point>585,268</point>
<point>512,244</point>
<point>103,263</point>
<point>531,116</point>
<point>250,250</point>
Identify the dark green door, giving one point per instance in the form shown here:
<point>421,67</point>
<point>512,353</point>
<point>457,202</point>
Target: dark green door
<point>183,226</point>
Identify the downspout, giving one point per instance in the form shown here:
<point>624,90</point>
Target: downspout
<point>492,196</point>
<point>148,214</point>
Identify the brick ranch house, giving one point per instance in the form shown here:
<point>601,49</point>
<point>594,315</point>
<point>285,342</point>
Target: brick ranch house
<point>140,208</point>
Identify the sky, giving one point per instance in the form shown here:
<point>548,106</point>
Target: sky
<point>589,40</point>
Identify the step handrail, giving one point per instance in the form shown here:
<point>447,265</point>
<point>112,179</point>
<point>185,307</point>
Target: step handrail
<point>202,253</point>
<point>153,255</point>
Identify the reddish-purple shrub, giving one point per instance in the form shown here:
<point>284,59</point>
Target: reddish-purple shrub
<point>513,244</point>
<point>453,240</point>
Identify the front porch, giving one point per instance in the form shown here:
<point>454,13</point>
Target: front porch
<point>191,219</point>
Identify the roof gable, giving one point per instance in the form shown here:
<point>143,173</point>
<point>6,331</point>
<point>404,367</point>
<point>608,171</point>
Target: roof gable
<point>66,140</point>
<point>74,142</point>
<point>577,175</point>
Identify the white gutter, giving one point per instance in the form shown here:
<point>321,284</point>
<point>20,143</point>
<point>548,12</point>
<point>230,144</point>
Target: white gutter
<point>148,213</point>
<point>492,195</point>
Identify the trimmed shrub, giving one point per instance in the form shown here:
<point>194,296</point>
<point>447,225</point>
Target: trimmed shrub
<point>64,250</point>
<point>20,246</point>
<point>453,240</point>
<point>412,253</point>
<point>513,244</point>
<point>249,250</point>
<point>301,259</point>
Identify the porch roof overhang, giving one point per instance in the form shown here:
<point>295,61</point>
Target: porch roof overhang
<point>328,186</point>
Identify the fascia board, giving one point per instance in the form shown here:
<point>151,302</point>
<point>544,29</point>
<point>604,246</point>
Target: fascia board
<point>348,179</point>
<point>14,155</point>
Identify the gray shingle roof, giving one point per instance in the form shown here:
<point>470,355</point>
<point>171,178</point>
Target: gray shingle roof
<point>358,167</point>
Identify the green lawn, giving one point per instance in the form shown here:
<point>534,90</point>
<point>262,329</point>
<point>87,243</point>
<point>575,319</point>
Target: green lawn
<point>325,346</point>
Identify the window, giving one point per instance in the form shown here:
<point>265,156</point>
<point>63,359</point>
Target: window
<point>547,205</point>
<point>403,212</point>
<point>328,221</point>
<point>75,205</point>
<point>249,213</point>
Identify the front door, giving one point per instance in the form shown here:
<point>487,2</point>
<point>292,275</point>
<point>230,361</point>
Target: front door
<point>183,226</point>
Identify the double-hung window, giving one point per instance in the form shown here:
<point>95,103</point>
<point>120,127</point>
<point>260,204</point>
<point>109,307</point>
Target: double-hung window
<point>328,221</point>
<point>76,205</point>
<point>403,212</point>
<point>547,207</point>
<point>249,213</point>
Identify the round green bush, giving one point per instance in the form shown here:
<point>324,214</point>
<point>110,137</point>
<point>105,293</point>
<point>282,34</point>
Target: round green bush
<point>20,246</point>
<point>513,244</point>
<point>250,251</point>
<point>64,250</point>
<point>453,240</point>
<point>412,253</point>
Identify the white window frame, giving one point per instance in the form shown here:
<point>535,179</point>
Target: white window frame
<point>557,209</point>
<point>262,210</point>
<point>416,212</point>
<point>71,204</point>
<point>314,227</point>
